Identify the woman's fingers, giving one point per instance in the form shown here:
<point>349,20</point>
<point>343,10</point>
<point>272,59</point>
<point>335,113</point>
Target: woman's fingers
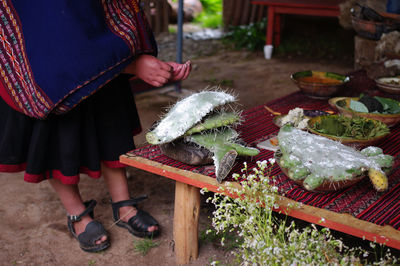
<point>157,73</point>
<point>166,67</point>
<point>154,83</point>
<point>180,71</point>
<point>161,80</point>
<point>163,73</point>
<point>188,69</point>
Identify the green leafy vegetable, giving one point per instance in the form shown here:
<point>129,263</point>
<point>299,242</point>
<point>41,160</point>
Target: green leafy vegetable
<point>345,127</point>
<point>372,104</point>
<point>390,106</point>
<point>358,106</point>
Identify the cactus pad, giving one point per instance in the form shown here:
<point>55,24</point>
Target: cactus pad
<point>327,161</point>
<point>195,121</point>
<point>185,114</point>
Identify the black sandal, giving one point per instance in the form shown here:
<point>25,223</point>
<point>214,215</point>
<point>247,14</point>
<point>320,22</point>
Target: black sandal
<point>93,231</point>
<point>137,225</point>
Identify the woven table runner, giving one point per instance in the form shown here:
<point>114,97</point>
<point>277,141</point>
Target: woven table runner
<point>359,200</point>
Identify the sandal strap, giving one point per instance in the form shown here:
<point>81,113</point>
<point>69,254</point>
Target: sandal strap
<point>130,202</point>
<point>89,210</point>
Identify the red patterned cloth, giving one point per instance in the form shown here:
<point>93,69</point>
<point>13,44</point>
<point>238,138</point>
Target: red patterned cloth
<point>360,200</point>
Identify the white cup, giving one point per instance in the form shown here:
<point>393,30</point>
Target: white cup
<point>268,51</point>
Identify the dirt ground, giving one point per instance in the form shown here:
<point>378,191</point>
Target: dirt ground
<point>33,223</point>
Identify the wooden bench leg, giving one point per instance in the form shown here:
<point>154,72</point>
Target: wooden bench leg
<point>270,25</point>
<point>186,221</point>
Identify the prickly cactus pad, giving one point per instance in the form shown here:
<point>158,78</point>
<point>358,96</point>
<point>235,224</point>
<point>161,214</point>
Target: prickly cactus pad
<point>328,160</point>
<point>222,145</point>
<point>214,121</point>
<point>185,114</point>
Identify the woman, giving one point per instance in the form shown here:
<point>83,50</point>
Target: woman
<point>66,104</point>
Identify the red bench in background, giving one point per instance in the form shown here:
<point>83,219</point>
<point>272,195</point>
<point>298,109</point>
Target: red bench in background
<point>324,8</point>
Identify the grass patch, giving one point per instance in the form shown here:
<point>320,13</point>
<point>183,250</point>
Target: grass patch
<point>143,246</point>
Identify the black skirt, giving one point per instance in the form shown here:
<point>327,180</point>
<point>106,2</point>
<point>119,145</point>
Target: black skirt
<point>99,129</point>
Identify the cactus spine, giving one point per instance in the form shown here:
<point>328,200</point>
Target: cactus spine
<point>222,145</point>
<point>214,121</point>
<point>185,114</point>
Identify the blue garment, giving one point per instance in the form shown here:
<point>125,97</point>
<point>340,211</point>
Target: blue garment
<point>73,47</point>
<point>393,6</point>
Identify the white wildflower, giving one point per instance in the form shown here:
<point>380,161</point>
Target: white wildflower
<point>271,161</point>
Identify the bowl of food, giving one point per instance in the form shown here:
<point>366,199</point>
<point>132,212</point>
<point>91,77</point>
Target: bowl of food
<point>358,132</point>
<point>318,84</point>
<point>389,84</point>
<point>382,109</point>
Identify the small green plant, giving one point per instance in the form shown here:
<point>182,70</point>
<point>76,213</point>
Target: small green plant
<point>91,262</point>
<point>211,17</point>
<point>143,246</point>
<point>267,239</point>
<point>172,30</point>
<point>250,37</point>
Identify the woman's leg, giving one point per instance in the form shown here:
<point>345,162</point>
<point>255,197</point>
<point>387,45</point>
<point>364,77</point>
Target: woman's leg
<point>118,187</point>
<point>72,201</point>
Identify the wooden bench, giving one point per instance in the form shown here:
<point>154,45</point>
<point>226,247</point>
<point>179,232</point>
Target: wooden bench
<point>324,8</point>
<point>357,210</point>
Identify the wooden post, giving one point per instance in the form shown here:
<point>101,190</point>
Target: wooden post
<point>186,221</point>
<point>246,13</point>
<point>270,25</point>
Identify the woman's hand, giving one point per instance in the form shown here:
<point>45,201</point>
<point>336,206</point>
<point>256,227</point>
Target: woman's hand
<point>156,72</point>
<point>180,71</point>
<point>150,70</point>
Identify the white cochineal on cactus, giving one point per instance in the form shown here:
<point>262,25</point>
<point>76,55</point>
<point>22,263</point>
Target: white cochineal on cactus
<point>325,159</point>
<point>321,155</point>
<point>185,114</point>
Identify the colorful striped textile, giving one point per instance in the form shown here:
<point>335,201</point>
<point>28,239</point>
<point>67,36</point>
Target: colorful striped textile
<point>54,54</point>
<point>360,200</point>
